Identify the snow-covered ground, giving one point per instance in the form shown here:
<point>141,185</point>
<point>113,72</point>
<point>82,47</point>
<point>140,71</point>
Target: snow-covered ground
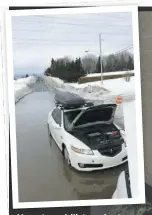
<point>22,87</point>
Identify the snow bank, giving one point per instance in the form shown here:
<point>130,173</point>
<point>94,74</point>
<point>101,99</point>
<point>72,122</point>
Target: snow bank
<point>52,82</point>
<point>28,81</point>
<point>94,91</point>
<point>23,86</point>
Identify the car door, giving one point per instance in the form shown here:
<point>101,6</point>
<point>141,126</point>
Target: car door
<point>56,126</point>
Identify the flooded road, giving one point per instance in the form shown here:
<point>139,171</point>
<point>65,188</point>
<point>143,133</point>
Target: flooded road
<point>42,174</point>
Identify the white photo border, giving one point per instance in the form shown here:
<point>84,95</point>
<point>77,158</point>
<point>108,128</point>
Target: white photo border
<point>105,9</point>
<point>4,162</point>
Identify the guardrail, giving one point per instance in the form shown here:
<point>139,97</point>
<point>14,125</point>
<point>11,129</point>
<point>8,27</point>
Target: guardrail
<point>106,76</point>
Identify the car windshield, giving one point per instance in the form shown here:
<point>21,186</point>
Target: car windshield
<point>94,116</point>
<point>69,117</point>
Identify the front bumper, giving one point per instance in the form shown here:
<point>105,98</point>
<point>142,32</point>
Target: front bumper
<point>97,161</point>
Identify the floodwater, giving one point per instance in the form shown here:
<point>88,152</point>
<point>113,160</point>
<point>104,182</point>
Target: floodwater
<point>42,174</point>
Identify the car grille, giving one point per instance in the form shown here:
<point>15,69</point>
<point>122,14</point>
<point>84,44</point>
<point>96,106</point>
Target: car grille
<point>110,151</point>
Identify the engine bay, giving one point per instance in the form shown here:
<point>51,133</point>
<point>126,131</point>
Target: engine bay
<point>106,138</point>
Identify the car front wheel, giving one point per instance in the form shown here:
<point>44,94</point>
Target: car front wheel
<point>66,156</point>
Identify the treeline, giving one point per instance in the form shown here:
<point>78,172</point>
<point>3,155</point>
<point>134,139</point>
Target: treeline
<point>71,70</point>
<point>117,62</point>
<point>66,69</point>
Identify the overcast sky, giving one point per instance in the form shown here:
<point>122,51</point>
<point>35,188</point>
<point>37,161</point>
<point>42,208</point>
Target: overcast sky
<point>36,39</point>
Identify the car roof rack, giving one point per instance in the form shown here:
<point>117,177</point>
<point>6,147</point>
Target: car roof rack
<point>68,100</point>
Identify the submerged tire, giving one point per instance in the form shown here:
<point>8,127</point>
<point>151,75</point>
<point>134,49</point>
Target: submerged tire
<point>66,156</point>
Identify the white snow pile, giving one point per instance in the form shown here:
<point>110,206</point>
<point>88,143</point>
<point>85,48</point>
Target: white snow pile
<point>112,89</point>
<point>23,86</point>
<point>52,82</point>
<point>28,81</point>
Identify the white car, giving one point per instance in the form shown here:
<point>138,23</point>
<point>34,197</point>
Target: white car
<point>86,134</point>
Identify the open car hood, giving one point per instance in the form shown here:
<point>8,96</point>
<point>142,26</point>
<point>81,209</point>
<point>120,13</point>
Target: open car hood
<point>95,115</point>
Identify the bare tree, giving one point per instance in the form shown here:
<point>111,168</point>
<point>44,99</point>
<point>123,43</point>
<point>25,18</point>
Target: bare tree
<point>89,63</point>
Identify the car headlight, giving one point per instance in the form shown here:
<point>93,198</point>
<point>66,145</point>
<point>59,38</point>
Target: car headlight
<point>82,151</point>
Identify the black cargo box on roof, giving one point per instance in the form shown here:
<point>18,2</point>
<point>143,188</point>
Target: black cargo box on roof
<point>69,100</point>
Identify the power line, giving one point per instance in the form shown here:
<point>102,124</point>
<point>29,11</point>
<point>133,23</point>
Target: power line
<point>77,18</point>
<point>86,32</point>
<point>124,27</point>
<point>49,39</point>
<point>128,46</point>
<point>53,40</point>
<point>123,50</point>
<point>48,44</point>
<point>117,32</point>
<point>59,43</point>
<point>56,42</point>
<point>74,24</point>
<point>94,16</point>
<point>81,45</point>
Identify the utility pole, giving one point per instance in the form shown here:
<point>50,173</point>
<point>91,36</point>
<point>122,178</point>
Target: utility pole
<point>101,59</point>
